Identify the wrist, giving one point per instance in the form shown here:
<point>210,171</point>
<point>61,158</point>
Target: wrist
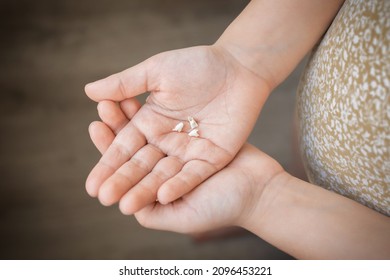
<point>267,180</point>
<point>248,59</point>
<point>270,37</point>
<point>267,203</point>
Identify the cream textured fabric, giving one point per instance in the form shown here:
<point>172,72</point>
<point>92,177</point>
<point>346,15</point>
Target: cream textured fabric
<point>343,106</point>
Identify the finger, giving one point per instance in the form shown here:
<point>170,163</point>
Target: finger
<point>175,217</point>
<point>124,146</point>
<point>130,107</point>
<point>112,115</point>
<point>179,216</point>
<point>193,173</point>
<point>101,135</point>
<point>157,216</point>
<point>128,83</point>
<point>129,174</point>
<point>145,192</point>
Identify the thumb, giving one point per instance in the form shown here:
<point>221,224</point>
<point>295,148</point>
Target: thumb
<point>117,87</point>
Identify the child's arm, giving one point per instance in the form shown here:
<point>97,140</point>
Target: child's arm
<point>270,37</point>
<point>222,86</point>
<point>309,222</point>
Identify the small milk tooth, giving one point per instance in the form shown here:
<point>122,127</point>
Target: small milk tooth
<point>193,133</point>
<point>193,123</point>
<point>178,127</point>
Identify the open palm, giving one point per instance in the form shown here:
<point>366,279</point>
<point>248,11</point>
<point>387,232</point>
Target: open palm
<point>227,198</point>
<point>203,82</point>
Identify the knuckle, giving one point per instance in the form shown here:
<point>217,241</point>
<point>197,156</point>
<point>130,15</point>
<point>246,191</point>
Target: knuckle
<point>140,163</point>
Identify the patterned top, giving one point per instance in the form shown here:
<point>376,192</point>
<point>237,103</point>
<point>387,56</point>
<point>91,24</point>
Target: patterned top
<point>343,106</point>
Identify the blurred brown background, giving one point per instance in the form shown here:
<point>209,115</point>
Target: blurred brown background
<point>49,50</point>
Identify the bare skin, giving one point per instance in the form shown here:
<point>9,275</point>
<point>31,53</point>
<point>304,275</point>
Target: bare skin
<point>223,86</point>
<point>254,192</point>
<point>148,149</point>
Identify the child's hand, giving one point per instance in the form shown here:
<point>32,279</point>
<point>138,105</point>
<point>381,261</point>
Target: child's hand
<point>203,82</point>
<point>227,198</point>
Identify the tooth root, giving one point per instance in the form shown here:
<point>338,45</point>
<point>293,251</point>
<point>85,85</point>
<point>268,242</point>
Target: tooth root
<point>178,127</point>
<point>192,122</point>
<point>193,133</point>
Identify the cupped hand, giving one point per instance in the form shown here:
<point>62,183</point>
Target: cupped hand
<point>227,198</point>
<point>206,83</point>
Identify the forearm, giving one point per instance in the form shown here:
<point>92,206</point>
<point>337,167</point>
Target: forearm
<point>270,37</point>
<point>309,222</point>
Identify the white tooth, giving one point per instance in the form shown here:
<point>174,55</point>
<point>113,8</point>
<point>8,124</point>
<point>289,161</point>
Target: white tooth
<point>193,123</point>
<point>178,127</point>
<point>194,133</point>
